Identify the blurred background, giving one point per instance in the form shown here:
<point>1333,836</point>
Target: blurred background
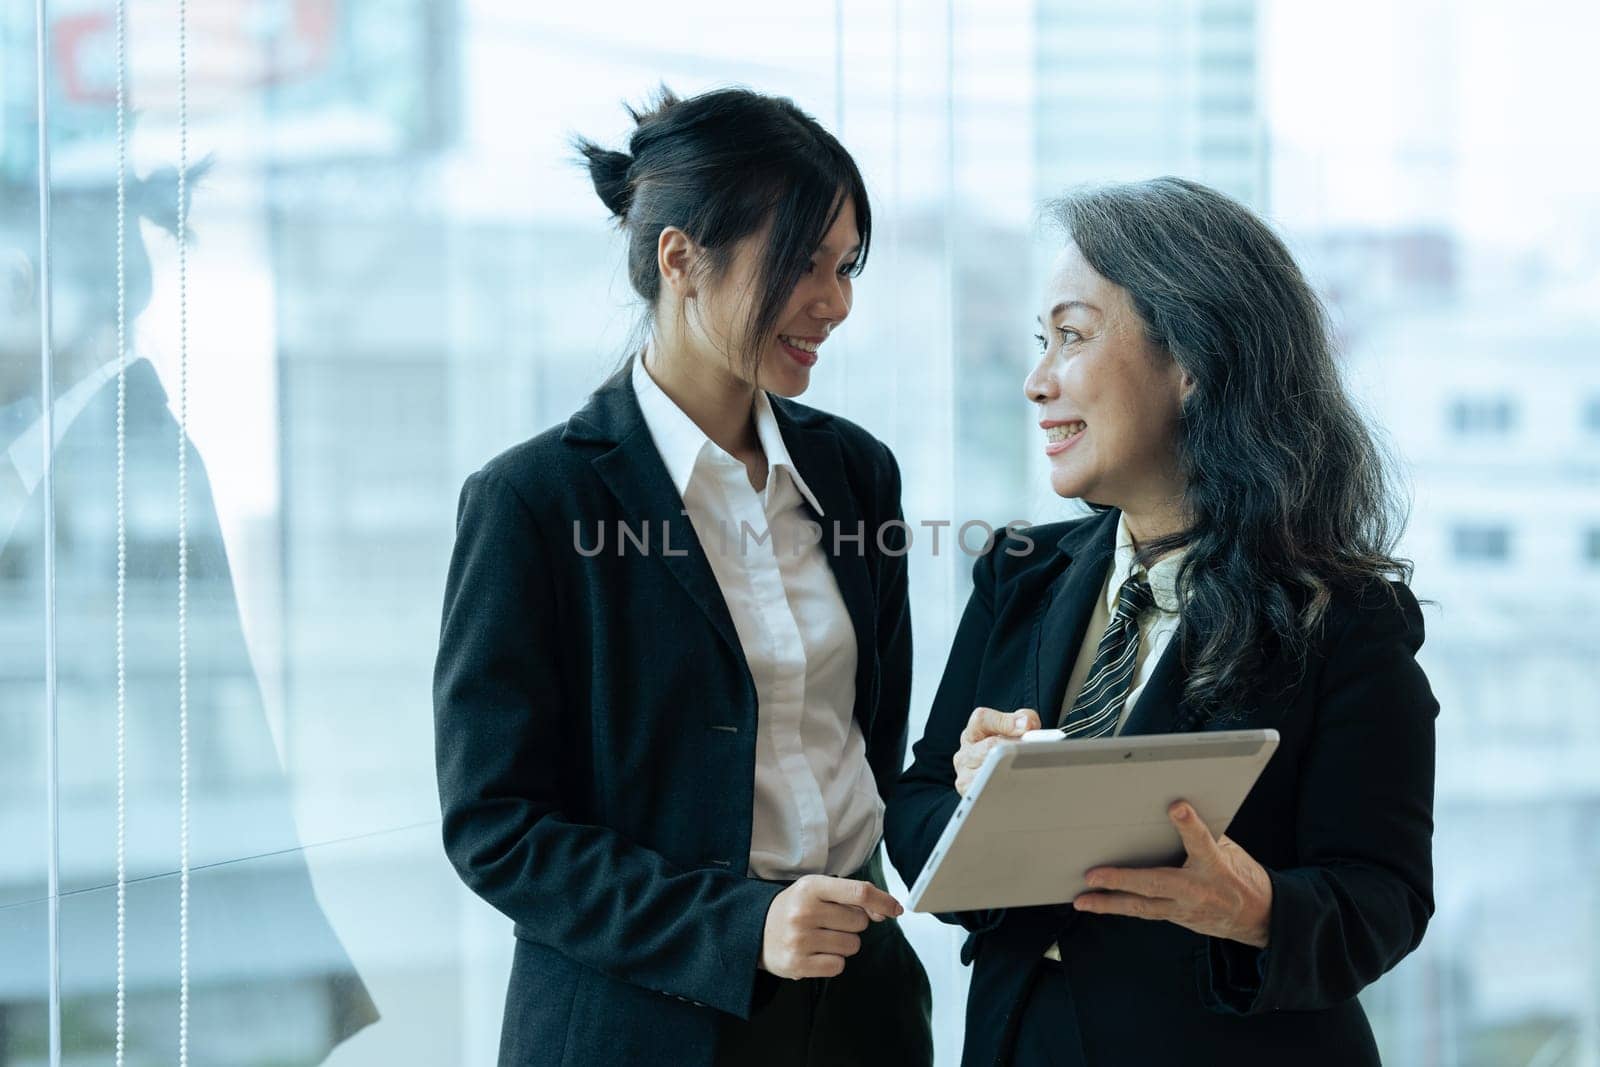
<point>395,271</point>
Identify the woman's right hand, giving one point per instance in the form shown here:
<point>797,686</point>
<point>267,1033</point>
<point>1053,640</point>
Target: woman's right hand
<point>986,729</point>
<point>813,926</point>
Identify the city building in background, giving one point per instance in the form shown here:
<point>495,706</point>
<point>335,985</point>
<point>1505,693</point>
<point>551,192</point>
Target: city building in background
<point>1150,87</point>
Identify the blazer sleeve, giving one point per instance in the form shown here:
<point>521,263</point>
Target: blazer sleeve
<point>886,747</point>
<point>1362,894</point>
<point>503,754</point>
<point>925,795</point>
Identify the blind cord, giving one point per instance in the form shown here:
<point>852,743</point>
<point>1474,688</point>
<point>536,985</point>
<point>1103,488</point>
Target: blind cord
<point>183,535</point>
<point>122,537</point>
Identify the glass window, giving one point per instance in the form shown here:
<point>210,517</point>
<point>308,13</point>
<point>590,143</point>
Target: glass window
<point>395,271</point>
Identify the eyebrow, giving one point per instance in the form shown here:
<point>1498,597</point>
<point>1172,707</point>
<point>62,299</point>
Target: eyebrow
<point>852,250</point>
<point>1068,305</point>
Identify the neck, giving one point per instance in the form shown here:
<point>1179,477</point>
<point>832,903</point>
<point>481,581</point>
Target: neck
<point>1151,523</point>
<point>76,361</point>
<point>714,400</point>
<point>71,363</point>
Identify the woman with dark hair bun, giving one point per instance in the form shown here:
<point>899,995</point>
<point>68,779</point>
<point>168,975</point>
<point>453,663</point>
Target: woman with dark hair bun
<point>1237,572</point>
<point>675,663</point>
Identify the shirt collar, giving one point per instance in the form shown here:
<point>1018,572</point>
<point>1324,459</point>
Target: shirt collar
<point>778,458</point>
<point>1162,575</point>
<point>24,450</point>
<point>677,438</point>
<point>682,443</point>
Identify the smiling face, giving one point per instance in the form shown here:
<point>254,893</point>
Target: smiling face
<point>1109,399</point>
<point>820,301</point>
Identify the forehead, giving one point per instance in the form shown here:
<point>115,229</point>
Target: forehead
<point>1072,280</point>
<point>843,234</point>
<point>842,237</point>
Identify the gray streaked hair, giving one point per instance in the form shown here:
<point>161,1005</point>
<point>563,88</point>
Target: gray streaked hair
<point>1288,494</point>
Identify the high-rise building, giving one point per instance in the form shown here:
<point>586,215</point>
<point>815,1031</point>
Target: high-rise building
<point>1495,408</point>
<point>1148,87</point>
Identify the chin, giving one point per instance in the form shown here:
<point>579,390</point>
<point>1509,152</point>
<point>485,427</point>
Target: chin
<point>789,384</point>
<point>1064,482</point>
<point>1068,485</point>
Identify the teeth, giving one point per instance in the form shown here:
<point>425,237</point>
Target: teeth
<point>808,346</point>
<point>1063,433</point>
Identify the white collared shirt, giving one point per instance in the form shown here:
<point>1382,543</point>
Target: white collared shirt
<point>817,809</point>
<point>1156,626</point>
<point>22,463</point>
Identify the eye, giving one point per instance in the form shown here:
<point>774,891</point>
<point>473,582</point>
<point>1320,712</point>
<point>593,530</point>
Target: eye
<point>848,270</point>
<point>1066,333</point>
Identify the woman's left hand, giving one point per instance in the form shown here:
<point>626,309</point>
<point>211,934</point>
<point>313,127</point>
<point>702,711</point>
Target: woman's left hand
<point>1219,891</point>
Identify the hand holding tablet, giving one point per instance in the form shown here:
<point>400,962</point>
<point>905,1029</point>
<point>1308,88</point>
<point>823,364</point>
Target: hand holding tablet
<point>1220,891</point>
<point>1039,814</point>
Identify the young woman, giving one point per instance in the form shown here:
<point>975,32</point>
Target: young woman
<point>672,683</point>
<point>1236,574</point>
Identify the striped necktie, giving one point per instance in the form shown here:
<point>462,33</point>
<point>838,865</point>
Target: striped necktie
<point>1098,708</point>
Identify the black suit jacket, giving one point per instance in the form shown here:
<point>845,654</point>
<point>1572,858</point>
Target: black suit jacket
<point>1341,817</point>
<point>596,727</point>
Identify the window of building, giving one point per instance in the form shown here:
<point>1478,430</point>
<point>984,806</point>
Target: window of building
<point>1480,415</point>
<point>1481,543</point>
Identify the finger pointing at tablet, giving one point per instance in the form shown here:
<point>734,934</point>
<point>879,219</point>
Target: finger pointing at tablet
<point>987,728</point>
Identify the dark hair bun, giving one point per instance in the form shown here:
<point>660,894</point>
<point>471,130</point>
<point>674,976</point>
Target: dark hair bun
<point>655,108</point>
<point>609,172</point>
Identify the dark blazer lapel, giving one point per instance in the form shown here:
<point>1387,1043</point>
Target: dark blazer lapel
<point>637,477</point>
<point>1156,710</point>
<point>816,455</point>
<point>1064,617</point>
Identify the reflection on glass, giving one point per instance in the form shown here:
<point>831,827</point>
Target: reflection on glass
<point>270,935</point>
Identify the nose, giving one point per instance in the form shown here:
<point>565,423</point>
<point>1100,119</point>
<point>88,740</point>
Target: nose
<point>832,302</point>
<point>1040,385</point>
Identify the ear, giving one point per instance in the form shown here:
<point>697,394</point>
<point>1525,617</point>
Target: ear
<point>676,253</point>
<point>1186,384</point>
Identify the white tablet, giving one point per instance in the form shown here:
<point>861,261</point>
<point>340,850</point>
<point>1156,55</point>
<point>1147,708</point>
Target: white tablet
<point>1043,811</point>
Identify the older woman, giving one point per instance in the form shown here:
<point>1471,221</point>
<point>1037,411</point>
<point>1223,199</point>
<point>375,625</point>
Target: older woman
<point>1237,572</point>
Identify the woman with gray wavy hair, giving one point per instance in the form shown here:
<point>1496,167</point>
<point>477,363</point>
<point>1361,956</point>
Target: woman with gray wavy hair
<point>1237,572</point>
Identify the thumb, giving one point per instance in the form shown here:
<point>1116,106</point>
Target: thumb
<point>1197,839</point>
